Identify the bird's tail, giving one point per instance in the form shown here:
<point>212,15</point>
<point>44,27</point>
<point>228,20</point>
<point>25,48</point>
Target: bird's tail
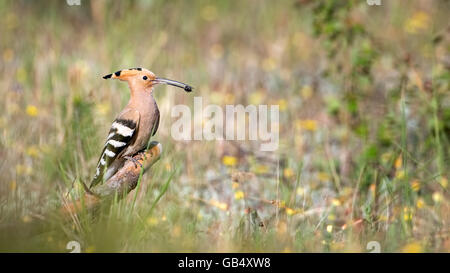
<point>95,181</point>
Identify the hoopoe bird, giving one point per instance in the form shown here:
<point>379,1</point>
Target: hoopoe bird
<point>135,125</point>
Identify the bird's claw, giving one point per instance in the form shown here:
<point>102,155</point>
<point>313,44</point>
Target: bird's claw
<point>135,161</point>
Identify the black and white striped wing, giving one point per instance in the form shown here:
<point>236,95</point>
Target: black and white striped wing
<point>119,138</point>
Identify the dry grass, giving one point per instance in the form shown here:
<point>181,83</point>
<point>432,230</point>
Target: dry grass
<point>364,124</point>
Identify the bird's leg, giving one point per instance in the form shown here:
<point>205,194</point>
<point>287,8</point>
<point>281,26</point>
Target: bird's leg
<point>87,190</point>
<point>135,161</point>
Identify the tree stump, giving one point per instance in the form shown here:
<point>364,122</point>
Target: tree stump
<point>119,185</point>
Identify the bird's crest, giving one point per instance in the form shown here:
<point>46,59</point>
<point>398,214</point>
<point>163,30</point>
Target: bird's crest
<point>124,73</point>
<point>147,78</point>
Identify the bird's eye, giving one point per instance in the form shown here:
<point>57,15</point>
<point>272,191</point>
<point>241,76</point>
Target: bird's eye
<point>144,78</point>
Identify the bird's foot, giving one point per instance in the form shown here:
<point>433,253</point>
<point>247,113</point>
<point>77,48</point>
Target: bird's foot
<point>88,190</point>
<point>135,161</point>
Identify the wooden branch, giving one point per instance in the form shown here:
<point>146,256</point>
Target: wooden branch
<point>120,184</point>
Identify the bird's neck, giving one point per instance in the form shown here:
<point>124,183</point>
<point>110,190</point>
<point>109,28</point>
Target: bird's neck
<point>136,88</point>
<point>141,98</point>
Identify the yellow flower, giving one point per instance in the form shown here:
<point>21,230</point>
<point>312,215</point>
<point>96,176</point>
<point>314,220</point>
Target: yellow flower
<point>152,221</point>
<point>306,92</point>
<point>290,211</point>
<point>331,217</point>
<point>307,124</point>
<point>21,75</point>
<point>413,247</point>
<point>209,13</point>
<point>45,148</point>
<point>336,202</point>
<point>260,169</point>
<point>444,182</point>
<point>216,51</point>
<point>229,160</point>
<point>288,173</point>
<point>300,191</point>
<point>337,247</point>
<point>400,174</point>
<point>102,108</point>
<point>437,197</point>
<point>199,216</point>
<point>329,228</point>
<point>282,103</point>
<point>269,64</point>
<point>234,185</point>
<point>407,214</point>
<point>22,169</point>
<point>398,162</point>
<point>419,21</point>
<point>32,110</point>
<point>257,97</point>
<point>239,195</point>
<point>229,98</point>
<point>13,185</point>
<point>220,205</point>
<point>420,203</point>
<point>32,151</point>
<point>323,176</point>
<point>216,97</point>
<point>415,185</point>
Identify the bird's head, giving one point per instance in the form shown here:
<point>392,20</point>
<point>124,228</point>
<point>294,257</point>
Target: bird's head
<point>144,78</point>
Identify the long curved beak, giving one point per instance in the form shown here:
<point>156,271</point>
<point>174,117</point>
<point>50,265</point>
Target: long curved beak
<point>184,86</point>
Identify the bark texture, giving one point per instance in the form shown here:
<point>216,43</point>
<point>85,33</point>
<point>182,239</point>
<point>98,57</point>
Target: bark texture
<point>120,184</point>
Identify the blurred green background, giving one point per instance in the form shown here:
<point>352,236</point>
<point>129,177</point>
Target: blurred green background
<point>364,124</point>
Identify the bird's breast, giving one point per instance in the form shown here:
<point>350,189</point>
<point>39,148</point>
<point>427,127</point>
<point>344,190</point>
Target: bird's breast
<point>149,117</point>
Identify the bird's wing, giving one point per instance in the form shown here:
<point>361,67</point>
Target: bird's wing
<point>120,136</point>
<point>155,128</point>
